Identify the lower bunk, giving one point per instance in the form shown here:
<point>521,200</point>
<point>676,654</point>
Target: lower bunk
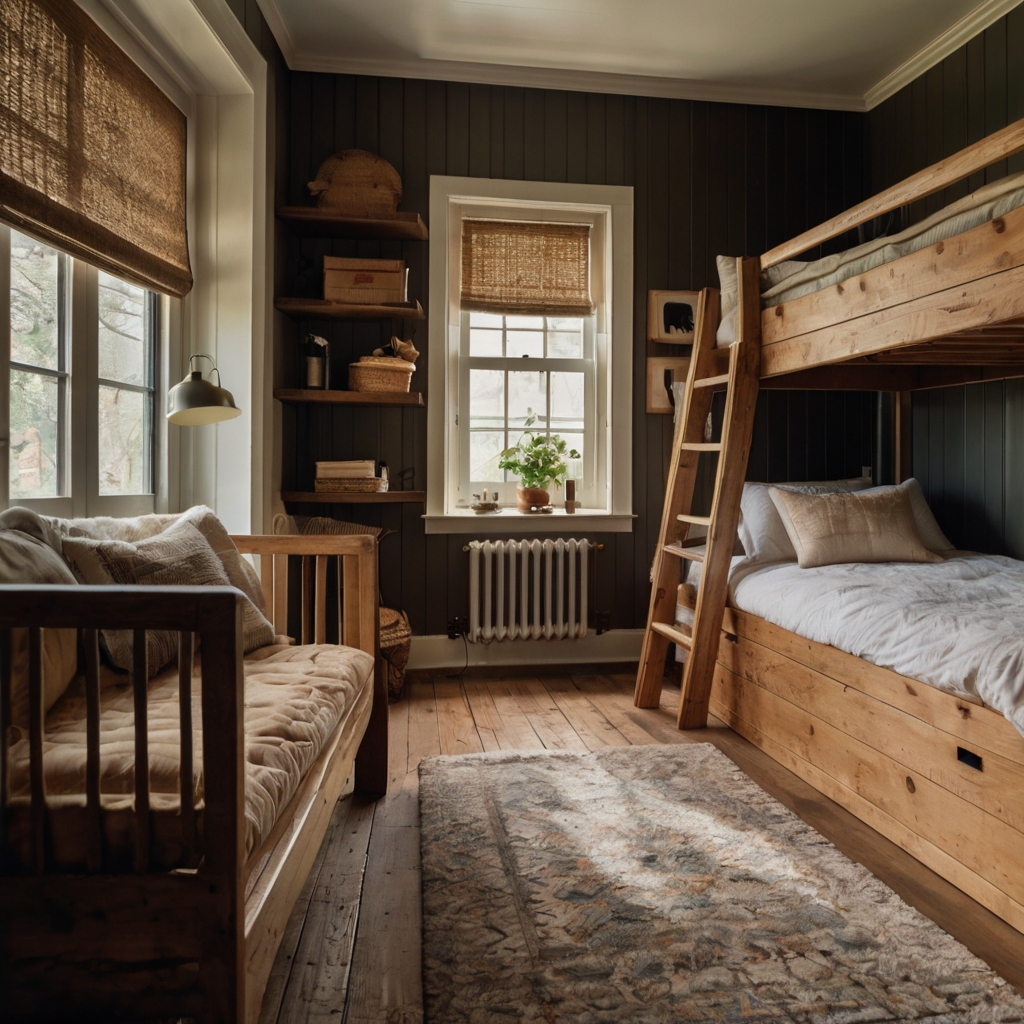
<point>934,772</point>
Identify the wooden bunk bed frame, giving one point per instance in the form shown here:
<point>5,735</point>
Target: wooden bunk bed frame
<point>938,775</point>
<point>197,941</point>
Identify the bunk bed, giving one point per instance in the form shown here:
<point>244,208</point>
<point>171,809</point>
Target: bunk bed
<point>939,773</point>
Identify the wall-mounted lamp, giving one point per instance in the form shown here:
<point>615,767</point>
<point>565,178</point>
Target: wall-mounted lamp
<point>195,402</point>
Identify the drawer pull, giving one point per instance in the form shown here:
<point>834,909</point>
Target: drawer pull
<point>969,758</point>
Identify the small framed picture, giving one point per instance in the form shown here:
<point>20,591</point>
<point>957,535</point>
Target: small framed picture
<point>662,373</point>
<point>671,317</point>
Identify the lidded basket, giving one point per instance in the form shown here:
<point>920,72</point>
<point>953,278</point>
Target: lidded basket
<point>357,184</point>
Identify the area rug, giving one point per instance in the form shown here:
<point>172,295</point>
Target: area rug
<point>659,883</point>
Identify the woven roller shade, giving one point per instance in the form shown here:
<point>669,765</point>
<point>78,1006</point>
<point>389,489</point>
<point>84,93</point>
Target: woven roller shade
<point>92,153</point>
<point>526,267</point>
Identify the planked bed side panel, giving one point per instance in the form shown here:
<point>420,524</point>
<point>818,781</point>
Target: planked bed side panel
<point>997,789</point>
<point>980,252</point>
<point>969,881</point>
<point>974,724</point>
<point>982,303</point>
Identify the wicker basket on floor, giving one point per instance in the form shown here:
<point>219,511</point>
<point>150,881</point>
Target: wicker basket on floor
<point>395,643</point>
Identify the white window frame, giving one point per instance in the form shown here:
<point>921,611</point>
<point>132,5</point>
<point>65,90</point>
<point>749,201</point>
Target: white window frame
<point>81,431</point>
<point>609,209</point>
<point>594,468</point>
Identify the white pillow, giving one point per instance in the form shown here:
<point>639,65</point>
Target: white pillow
<point>928,528</point>
<point>761,530</point>
<point>729,287</point>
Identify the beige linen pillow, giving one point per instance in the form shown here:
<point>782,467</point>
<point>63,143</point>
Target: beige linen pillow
<point>179,556</point>
<point>928,528</point>
<point>28,559</point>
<point>832,529</point>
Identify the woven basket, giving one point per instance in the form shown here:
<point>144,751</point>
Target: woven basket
<point>380,373</point>
<point>357,184</point>
<point>395,644</point>
<point>356,485</point>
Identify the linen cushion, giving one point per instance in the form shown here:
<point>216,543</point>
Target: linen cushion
<point>761,530</point>
<point>928,528</point>
<point>179,556</point>
<point>25,558</point>
<point>838,528</point>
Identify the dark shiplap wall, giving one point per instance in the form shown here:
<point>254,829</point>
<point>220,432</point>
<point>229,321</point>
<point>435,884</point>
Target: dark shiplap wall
<point>708,178</point>
<point>968,441</point>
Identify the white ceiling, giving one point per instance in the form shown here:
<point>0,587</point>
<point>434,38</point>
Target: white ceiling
<point>843,54</point>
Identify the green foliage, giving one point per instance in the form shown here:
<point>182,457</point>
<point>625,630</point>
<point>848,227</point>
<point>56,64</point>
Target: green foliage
<point>538,460</point>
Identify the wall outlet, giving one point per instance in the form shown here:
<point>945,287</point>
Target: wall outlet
<point>457,627</point>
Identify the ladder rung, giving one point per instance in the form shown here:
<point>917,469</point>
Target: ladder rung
<point>695,520</point>
<point>673,634</point>
<point>701,446</point>
<point>694,554</point>
<point>711,382</point>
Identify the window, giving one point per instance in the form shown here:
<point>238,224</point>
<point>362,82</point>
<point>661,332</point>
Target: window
<point>82,391</point>
<point>521,349</point>
<point>526,373</point>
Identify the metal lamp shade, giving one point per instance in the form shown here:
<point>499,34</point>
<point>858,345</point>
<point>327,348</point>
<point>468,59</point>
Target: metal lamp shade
<point>195,402</point>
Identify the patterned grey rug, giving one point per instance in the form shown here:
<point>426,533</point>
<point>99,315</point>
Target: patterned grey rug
<point>659,883</point>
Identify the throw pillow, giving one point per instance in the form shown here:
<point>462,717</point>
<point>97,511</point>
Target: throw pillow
<point>931,533</point>
<point>831,529</point>
<point>25,558</point>
<point>179,556</point>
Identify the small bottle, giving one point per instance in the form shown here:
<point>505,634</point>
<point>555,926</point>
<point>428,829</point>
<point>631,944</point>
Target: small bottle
<point>570,497</point>
<point>316,353</point>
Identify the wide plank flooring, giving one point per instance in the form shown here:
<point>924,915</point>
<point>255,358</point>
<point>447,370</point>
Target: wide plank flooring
<point>351,953</point>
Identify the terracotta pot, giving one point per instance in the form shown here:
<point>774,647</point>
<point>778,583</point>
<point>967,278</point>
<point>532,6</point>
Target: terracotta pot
<point>528,497</point>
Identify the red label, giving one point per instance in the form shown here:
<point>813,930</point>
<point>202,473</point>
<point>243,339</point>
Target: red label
<point>363,279</point>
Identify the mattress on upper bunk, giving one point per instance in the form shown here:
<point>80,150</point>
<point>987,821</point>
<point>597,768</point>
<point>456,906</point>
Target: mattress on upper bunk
<point>794,278</point>
<point>294,696</point>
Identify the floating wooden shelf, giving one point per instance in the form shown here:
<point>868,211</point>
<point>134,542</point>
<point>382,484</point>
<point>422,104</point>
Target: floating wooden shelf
<point>338,498</point>
<point>321,309</point>
<point>311,396</point>
<point>315,223</point>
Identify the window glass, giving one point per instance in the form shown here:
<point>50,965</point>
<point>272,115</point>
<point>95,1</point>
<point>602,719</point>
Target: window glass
<point>38,379</point>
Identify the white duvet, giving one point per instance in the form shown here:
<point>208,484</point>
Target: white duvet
<point>957,625</point>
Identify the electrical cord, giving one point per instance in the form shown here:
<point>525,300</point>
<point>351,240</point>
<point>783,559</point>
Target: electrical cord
<point>462,671</point>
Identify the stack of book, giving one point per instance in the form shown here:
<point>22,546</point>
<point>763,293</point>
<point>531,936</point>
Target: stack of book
<point>357,476</point>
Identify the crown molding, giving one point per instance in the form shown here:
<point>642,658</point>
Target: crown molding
<point>279,29</point>
<point>970,25</point>
<point>979,19</point>
<point>576,81</point>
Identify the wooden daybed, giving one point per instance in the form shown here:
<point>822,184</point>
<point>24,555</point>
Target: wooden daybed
<point>935,773</point>
<point>196,941</point>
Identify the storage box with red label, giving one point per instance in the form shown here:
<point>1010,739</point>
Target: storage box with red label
<point>367,281</point>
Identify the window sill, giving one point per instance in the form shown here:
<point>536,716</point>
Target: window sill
<point>510,521</point>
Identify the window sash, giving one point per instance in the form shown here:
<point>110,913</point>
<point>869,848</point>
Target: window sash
<point>461,486</point>
<point>79,382</point>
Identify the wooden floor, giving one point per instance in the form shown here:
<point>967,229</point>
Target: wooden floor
<point>352,949</point>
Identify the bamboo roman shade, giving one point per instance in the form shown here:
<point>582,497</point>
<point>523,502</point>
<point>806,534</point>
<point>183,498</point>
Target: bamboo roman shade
<point>92,153</point>
<point>526,267</point>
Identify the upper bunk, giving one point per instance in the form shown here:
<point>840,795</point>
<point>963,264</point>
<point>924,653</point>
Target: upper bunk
<point>942,303</point>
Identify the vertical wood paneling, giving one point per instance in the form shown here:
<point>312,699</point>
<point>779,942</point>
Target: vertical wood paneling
<point>968,442</point>
<point>708,179</point>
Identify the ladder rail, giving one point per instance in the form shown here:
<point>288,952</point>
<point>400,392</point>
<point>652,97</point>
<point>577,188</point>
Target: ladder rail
<point>742,382</point>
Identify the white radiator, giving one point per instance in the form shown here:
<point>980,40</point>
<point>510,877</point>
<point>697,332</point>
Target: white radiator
<point>528,589</point>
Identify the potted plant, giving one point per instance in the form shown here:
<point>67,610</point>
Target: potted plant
<point>538,461</point>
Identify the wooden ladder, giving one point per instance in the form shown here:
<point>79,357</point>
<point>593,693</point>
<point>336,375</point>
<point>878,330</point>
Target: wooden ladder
<point>737,370</point>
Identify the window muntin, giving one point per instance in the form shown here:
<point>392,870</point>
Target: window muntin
<point>38,450</point>
<point>525,373</point>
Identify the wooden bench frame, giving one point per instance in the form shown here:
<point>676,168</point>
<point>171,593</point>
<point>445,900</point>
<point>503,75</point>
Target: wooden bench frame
<point>196,941</point>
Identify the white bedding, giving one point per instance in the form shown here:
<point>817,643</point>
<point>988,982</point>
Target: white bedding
<point>957,625</point>
<point>795,278</point>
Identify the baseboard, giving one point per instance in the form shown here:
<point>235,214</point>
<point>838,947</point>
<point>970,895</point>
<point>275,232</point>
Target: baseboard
<point>429,652</point>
